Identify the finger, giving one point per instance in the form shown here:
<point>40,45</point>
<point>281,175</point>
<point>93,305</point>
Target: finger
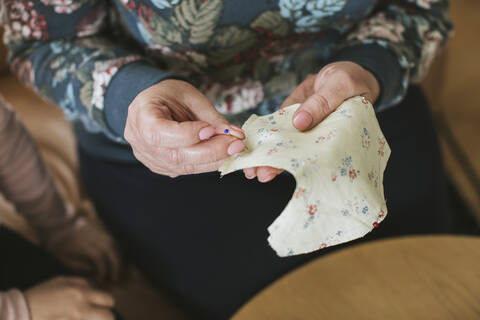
<point>100,298</point>
<point>78,281</point>
<point>78,265</point>
<point>178,169</point>
<point>300,93</point>
<point>231,129</point>
<point>266,174</point>
<point>100,263</point>
<point>317,107</point>
<point>172,134</point>
<point>98,314</point>
<point>250,173</point>
<point>108,255</point>
<point>203,109</point>
<point>212,150</point>
<point>114,263</point>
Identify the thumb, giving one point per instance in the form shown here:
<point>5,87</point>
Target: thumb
<point>316,108</point>
<point>205,111</point>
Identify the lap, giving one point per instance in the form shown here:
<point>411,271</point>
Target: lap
<point>23,264</point>
<point>204,238</point>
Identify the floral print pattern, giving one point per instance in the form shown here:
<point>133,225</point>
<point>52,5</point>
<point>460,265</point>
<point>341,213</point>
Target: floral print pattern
<point>380,27</point>
<point>23,21</point>
<point>244,63</point>
<point>317,11</point>
<point>102,75</point>
<point>326,208</point>
<point>346,170</point>
<point>64,6</point>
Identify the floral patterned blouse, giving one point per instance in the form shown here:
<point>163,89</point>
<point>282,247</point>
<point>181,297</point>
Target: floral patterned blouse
<point>92,57</point>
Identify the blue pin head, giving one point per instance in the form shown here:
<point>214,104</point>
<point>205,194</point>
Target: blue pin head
<point>226,130</point>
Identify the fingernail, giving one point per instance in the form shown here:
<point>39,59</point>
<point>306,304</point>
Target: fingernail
<point>236,127</point>
<point>302,120</point>
<point>237,134</point>
<point>206,133</point>
<point>235,147</point>
<point>266,178</point>
<point>232,130</point>
<point>250,173</point>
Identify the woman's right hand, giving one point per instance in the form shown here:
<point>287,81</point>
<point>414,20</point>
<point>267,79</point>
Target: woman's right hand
<point>174,130</point>
<point>68,299</point>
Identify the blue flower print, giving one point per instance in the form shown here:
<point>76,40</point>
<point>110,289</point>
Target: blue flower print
<point>307,24</point>
<point>68,103</point>
<point>164,4</point>
<point>308,15</point>
<point>291,9</point>
<point>325,8</point>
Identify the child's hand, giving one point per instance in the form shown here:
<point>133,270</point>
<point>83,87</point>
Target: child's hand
<point>68,299</point>
<point>88,250</point>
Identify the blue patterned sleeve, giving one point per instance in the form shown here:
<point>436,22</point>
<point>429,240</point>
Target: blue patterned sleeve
<point>58,48</point>
<point>398,43</point>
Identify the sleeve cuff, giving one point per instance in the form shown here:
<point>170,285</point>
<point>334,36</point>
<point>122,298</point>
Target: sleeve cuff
<point>383,64</point>
<point>127,83</point>
<point>13,306</point>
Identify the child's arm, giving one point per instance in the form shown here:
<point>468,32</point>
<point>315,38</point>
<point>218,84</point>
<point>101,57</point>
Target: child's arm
<point>25,181</point>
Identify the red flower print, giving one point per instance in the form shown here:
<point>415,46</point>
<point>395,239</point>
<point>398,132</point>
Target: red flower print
<point>381,214</point>
<point>272,151</point>
<point>323,245</point>
<point>352,174</point>
<point>381,148</point>
<point>22,21</point>
<point>334,177</point>
<point>300,193</point>
<point>375,224</point>
<point>312,209</point>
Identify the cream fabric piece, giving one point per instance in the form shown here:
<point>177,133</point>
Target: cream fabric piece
<point>338,167</point>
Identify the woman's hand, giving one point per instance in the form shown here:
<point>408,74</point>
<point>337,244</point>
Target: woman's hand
<point>88,250</point>
<point>174,130</point>
<point>319,96</point>
<point>68,299</point>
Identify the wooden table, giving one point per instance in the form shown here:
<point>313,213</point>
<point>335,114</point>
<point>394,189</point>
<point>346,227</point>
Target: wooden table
<point>429,277</point>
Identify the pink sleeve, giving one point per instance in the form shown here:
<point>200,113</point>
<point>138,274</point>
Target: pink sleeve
<point>13,306</point>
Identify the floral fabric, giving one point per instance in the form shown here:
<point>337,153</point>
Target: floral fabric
<point>338,167</point>
<point>246,56</point>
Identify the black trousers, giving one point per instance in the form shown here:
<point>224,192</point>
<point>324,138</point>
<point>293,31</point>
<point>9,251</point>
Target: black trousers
<point>204,238</point>
<point>24,265</point>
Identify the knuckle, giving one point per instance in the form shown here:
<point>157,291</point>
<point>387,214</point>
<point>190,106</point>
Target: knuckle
<point>81,310</point>
<point>75,294</point>
<point>127,134</point>
<point>321,103</point>
<point>60,279</point>
<point>188,168</point>
<point>149,135</point>
<point>173,156</point>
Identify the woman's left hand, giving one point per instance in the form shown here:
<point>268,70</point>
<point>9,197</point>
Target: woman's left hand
<point>319,96</point>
